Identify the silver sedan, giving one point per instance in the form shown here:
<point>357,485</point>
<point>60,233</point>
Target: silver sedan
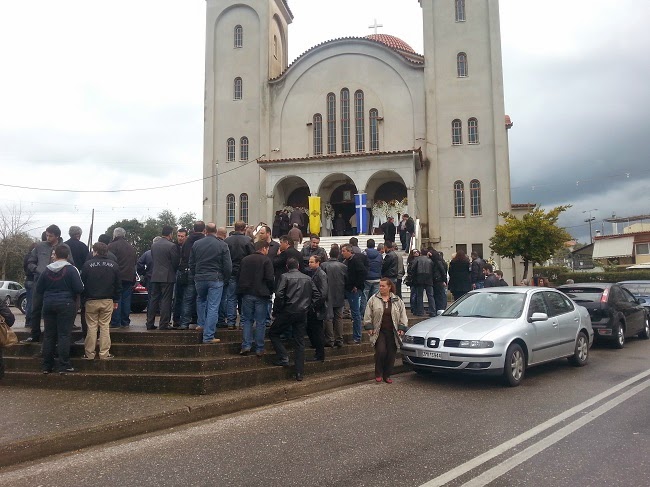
<point>503,331</point>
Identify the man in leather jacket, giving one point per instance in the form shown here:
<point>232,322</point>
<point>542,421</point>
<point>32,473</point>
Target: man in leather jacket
<point>294,295</point>
<point>318,310</point>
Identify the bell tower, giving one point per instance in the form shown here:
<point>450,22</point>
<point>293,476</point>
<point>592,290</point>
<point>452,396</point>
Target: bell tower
<point>246,45</point>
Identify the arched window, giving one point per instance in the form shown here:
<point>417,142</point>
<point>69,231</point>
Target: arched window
<point>359,119</point>
<point>374,130</point>
<point>459,198</point>
<point>231,149</point>
<point>243,149</point>
<point>243,207</point>
<point>238,89</point>
<point>475,197</point>
<point>239,36</point>
<point>331,123</point>
<point>460,10</point>
<point>345,120</point>
<point>456,132</point>
<point>472,131</point>
<point>230,210</point>
<point>318,134</point>
<point>461,65</point>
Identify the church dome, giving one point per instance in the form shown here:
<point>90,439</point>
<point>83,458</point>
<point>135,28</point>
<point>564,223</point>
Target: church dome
<point>392,42</point>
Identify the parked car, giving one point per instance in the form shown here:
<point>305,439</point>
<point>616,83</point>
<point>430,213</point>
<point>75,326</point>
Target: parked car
<point>640,290</point>
<point>615,313</point>
<point>140,296</point>
<point>10,292</point>
<point>501,331</point>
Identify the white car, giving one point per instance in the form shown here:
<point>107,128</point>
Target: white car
<point>10,291</point>
<point>501,330</point>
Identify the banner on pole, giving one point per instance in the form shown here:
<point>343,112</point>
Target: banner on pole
<point>314,214</point>
<point>360,200</point>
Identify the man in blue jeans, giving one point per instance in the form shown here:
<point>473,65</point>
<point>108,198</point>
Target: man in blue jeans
<point>240,246</point>
<point>189,296</point>
<point>354,284</point>
<point>210,266</point>
<point>255,284</point>
<point>126,260</point>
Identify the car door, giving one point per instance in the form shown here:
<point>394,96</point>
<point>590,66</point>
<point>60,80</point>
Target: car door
<point>636,313</point>
<point>568,319</point>
<point>545,333</point>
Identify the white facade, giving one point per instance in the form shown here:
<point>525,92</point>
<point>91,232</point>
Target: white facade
<point>417,97</point>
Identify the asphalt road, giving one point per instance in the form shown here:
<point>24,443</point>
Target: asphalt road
<point>562,426</point>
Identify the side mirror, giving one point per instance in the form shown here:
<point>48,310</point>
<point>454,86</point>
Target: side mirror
<point>538,317</point>
<point>439,312</point>
<point>641,300</point>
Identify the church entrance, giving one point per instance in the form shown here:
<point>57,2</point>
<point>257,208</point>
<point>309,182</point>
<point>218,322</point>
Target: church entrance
<point>342,200</point>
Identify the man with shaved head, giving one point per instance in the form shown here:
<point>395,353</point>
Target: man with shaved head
<point>210,267</point>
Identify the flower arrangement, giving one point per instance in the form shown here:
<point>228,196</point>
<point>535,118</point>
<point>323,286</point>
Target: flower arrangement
<point>380,209</point>
<point>328,211</point>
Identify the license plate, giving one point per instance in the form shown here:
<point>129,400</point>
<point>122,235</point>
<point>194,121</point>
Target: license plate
<point>438,355</point>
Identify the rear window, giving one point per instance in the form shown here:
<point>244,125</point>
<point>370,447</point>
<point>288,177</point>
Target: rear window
<point>638,289</point>
<point>584,294</point>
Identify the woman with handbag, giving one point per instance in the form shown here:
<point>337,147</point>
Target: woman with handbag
<point>386,321</point>
<point>7,320</point>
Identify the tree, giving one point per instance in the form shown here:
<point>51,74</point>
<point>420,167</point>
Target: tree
<point>186,220</point>
<point>14,241</point>
<point>534,238</point>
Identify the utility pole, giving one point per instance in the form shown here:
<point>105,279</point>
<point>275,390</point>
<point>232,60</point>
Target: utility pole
<point>590,220</point>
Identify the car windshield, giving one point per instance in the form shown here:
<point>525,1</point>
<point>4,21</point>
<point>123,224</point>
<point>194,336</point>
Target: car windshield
<point>488,305</point>
<point>583,294</point>
<point>638,289</point>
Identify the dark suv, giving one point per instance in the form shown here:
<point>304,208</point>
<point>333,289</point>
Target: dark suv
<point>615,313</point>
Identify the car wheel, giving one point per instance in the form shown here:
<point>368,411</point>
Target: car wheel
<point>645,333</point>
<point>515,366</point>
<point>22,304</point>
<point>7,300</point>
<point>581,353</point>
<point>619,332</point>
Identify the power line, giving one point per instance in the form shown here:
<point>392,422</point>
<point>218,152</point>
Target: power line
<point>104,190</point>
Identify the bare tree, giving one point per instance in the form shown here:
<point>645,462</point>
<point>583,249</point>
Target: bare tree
<point>14,239</point>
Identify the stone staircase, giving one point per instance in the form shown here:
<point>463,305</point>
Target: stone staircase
<point>177,362</point>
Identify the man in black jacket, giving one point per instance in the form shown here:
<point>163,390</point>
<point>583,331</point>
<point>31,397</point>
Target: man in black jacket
<point>189,298</point>
<point>354,285</point>
<point>318,310</point>
<point>240,246</point>
<point>491,279</point>
<point>336,273</point>
<point>389,230</point>
<point>421,270</point>
<point>293,297</point>
<point>78,249</point>
<point>255,284</point>
<point>126,260</point>
<point>164,254</point>
<point>102,288</point>
<point>285,252</point>
<point>181,279</point>
<point>390,265</point>
<point>264,234</point>
<point>406,231</point>
<point>476,277</point>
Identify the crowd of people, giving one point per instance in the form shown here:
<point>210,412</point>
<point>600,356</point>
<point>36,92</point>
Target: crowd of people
<point>207,280</point>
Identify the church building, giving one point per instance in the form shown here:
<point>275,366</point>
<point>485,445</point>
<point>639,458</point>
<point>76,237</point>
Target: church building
<point>424,133</point>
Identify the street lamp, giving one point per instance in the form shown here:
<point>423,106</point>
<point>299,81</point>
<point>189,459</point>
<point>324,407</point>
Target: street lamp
<point>589,220</point>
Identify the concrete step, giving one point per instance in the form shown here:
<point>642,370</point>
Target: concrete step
<point>180,383</point>
<point>177,365</point>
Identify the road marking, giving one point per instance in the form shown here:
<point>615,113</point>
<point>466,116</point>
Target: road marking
<point>462,469</point>
<point>497,471</point>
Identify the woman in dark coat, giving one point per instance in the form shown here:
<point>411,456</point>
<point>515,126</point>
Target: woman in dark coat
<point>459,282</point>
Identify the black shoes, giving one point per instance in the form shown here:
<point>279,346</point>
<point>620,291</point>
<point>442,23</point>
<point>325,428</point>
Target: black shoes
<point>67,370</point>
<point>281,362</point>
<point>29,340</point>
<point>244,352</point>
<point>314,359</point>
<point>299,377</point>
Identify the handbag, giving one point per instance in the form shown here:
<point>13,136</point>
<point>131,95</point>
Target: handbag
<point>7,335</point>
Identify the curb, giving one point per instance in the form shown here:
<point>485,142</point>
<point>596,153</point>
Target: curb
<point>43,446</point>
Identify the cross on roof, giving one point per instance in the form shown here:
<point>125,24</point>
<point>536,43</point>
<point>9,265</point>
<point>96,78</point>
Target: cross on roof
<point>375,26</point>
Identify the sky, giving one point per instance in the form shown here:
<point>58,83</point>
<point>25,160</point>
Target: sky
<point>106,97</point>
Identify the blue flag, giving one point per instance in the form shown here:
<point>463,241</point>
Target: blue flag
<point>360,201</point>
